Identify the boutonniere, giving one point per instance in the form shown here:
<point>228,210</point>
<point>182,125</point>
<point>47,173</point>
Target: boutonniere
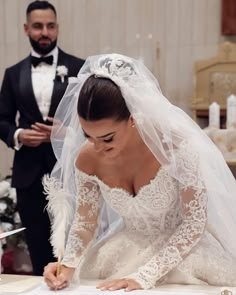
<point>62,72</point>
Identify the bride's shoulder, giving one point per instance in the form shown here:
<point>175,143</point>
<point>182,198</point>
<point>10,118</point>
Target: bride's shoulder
<point>87,159</point>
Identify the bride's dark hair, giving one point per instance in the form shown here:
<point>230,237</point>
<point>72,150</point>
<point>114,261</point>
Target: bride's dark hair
<point>101,98</point>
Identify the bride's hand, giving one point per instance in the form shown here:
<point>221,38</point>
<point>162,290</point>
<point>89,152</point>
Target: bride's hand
<point>127,284</point>
<point>57,282</point>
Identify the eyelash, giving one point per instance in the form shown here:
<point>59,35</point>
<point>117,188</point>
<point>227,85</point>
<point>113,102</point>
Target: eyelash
<point>104,140</point>
<point>108,140</point>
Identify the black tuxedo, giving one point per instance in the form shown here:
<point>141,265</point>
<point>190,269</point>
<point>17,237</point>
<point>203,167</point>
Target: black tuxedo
<point>30,163</point>
<point>17,91</point>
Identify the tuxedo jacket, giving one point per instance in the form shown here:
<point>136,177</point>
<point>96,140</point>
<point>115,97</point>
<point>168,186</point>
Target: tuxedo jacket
<point>19,109</point>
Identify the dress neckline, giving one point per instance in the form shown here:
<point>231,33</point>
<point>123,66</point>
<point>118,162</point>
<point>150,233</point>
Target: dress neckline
<point>115,188</point>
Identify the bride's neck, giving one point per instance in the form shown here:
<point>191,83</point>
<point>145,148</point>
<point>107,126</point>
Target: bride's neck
<point>135,149</point>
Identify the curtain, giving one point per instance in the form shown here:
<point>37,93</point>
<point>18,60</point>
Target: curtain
<point>228,17</point>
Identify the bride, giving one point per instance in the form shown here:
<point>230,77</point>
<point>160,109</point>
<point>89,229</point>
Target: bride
<point>139,196</point>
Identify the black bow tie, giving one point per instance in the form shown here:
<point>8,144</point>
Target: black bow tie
<point>37,60</point>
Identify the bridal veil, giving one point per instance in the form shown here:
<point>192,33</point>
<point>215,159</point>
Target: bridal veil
<point>169,132</point>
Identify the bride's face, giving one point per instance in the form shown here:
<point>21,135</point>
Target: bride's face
<point>108,136</point>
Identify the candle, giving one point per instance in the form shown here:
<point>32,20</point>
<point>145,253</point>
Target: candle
<point>231,111</point>
<point>214,115</point>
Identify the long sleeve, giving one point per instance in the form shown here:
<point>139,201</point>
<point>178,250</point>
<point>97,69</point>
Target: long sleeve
<point>7,111</point>
<point>193,200</point>
<point>84,225</point>
<point>180,243</point>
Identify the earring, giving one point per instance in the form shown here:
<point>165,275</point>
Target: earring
<point>133,125</point>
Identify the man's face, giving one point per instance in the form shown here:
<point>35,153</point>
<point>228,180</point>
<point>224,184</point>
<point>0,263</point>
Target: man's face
<point>42,30</point>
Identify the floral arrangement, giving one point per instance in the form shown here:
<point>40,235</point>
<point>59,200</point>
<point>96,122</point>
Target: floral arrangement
<point>9,217</point>
<point>13,246</point>
<point>62,72</point>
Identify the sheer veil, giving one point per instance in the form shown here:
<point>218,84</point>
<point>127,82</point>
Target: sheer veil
<point>173,137</point>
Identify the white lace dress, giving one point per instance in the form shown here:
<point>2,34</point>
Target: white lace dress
<point>164,238</point>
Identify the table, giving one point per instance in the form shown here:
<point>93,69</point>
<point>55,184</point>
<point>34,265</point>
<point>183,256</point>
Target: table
<point>16,284</point>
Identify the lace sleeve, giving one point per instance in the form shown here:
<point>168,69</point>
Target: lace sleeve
<point>186,235</point>
<point>84,225</point>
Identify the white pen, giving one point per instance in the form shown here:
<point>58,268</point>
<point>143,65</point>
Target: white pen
<point>11,232</point>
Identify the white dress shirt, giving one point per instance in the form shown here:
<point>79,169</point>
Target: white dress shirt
<point>42,81</point>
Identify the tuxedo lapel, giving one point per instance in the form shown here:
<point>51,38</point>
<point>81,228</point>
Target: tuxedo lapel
<point>26,90</point>
<point>59,86</point>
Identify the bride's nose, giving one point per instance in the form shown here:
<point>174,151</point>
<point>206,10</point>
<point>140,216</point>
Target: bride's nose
<point>98,146</point>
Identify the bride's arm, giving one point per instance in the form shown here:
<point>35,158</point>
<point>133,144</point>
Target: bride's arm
<point>83,228</point>
<point>186,236</point>
<point>81,234</point>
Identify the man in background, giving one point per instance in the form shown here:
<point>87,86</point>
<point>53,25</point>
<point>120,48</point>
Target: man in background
<point>30,93</point>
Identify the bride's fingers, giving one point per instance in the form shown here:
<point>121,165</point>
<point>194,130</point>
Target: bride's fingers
<point>120,284</point>
<point>127,284</point>
<point>132,285</point>
<point>113,285</point>
<point>50,284</point>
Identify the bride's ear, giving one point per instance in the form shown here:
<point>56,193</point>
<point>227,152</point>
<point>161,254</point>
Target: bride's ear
<point>131,120</point>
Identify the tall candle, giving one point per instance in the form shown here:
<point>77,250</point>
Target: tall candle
<point>231,111</point>
<point>214,115</point>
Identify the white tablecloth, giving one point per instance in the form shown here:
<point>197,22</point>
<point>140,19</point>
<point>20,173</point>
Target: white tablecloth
<point>15,284</point>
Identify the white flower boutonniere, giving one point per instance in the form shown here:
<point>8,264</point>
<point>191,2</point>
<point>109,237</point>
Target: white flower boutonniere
<point>62,71</point>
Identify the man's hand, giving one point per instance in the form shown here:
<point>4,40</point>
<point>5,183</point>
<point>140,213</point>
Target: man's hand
<point>43,129</point>
<point>32,138</point>
<point>127,284</point>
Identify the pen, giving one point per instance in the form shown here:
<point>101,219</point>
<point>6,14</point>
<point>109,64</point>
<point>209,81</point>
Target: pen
<point>58,265</point>
<point>8,233</point>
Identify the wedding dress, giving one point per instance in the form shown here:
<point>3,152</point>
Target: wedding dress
<point>179,228</point>
<point>156,243</point>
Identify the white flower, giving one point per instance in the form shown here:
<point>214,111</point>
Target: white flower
<point>3,207</point>
<point>12,195</point>
<point>17,219</point>
<point>6,226</point>
<point>62,71</point>
<point>4,188</point>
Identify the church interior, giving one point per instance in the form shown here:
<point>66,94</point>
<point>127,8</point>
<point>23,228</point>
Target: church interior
<point>188,45</point>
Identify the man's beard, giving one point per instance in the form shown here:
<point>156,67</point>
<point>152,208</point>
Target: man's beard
<point>43,50</point>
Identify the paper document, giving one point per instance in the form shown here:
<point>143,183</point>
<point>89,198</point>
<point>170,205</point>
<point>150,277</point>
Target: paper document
<point>19,285</point>
<point>11,232</point>
<point>92,290</point>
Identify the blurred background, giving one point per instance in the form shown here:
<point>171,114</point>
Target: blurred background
<point>168,35</point>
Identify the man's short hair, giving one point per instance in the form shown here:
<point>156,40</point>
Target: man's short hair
<point>40,5</point>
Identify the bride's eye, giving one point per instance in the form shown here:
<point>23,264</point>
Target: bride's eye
<point>108,139</point>
<point>88,137</point>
